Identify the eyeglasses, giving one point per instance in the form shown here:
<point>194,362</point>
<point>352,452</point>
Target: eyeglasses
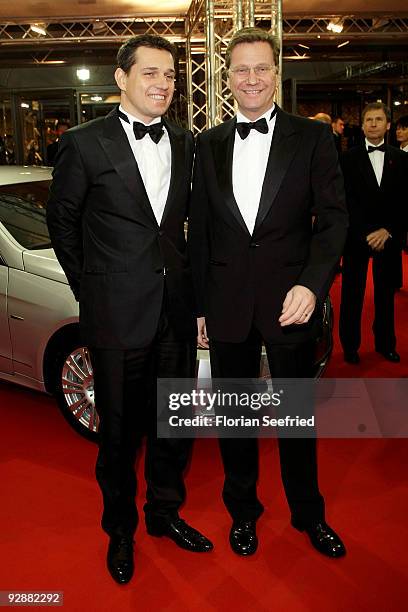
<point>244,71</point>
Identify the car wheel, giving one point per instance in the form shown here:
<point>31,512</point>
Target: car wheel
<point>74,390</point>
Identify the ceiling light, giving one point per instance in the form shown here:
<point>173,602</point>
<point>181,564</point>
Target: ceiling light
<point>83,74</point>
<point>24,105</point>
<point>96,98</point>
<point>39,29</point>
<point>397,103</point>
<point>303,46</point>
<point>336,25</point>
<point>343,44</point>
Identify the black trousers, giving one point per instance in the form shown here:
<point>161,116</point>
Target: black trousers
<point>125,397</point>
<point>298,457</point>
<point>385,270</point>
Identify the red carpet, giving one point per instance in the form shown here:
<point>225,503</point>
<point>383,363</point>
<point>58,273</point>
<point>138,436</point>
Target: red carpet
<point>50,539</point>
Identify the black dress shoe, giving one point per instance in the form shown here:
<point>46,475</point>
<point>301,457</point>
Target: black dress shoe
<point>243,538</point>
<point>181,533</point>
<point>120,559</point>
<point>390,356</point>
<point>324,539</point>
<point>352,357</point>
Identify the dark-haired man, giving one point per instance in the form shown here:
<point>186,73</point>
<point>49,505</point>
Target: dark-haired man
<point>262,268</point>
<point>116,216</point>
<point>338,129</point>
<point>375,178</point>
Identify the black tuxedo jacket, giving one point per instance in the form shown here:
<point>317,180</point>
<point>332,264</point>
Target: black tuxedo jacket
<point>242,279</point>
<point>372,206</point>
<point>107,239</point>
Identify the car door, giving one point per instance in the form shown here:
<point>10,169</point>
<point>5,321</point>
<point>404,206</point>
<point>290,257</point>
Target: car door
<point>5,342</point>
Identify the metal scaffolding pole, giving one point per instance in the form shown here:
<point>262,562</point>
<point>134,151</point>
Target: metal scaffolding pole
<point>250,13</point>
<point>189,76</point>
<point>276,30</point>
<point>237,15</point>
<point>210,62</point>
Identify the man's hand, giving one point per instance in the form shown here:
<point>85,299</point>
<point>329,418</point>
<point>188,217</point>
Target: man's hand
<point>298,306</point>
<point>376,240</point>
<point>202,338</point>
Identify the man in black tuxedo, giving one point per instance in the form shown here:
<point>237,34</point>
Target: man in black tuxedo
<point>375,178</point>
<point>262,268</point>
<point>116,217</point>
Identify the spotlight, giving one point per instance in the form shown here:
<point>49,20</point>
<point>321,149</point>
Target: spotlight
<point>39,29</point>
<point>336,25</point>
<point>343,44</point>
<point>83,74</point>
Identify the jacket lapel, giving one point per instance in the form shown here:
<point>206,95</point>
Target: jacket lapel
<point>177,143</point>
<point>285,141</point>
<point>116,145</point>
<point>367,170</point>
<point>222,149</point>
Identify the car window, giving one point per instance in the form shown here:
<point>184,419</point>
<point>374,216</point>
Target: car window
<point>22,212</point>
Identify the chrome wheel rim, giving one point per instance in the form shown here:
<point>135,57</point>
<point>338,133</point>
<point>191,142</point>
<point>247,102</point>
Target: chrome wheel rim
<point>78,389</point>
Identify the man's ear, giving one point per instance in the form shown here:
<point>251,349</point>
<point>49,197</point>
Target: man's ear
<point>120,78</point>
<point>388,126</point>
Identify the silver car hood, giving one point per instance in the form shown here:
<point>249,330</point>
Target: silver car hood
<point>43,262</point>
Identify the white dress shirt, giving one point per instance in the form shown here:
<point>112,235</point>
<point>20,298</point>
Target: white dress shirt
<point>154,162</point>
<point>249,163</point>
<point>404,148</point>
<point>377,160</point>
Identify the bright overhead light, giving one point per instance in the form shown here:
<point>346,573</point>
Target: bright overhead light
<point>343,44</point>
<point>83,74</point>
<point>397,103</point>
<point>24,105</point>
<point>39,29</point>
<point>303,46</point>
<point>96,98</point>
<point>335,25</point>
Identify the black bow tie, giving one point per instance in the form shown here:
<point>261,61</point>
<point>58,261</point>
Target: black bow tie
<point>243,128</point>
<point>140,130</point>
<point>370,149</point>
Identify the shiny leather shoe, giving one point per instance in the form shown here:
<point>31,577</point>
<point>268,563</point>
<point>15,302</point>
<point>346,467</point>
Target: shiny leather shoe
<point>390,356</point>
<point>352,358</point>
<point>120,559</point>
<point>243,538</point>
<point>324,539</point>
<point>181,533</point>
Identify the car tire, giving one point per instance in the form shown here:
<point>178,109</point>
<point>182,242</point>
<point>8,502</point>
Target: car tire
<point>73,389</point>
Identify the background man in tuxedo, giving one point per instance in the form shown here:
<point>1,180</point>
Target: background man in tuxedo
<point>338,129</point>
<point>116,217</point>
<point>262,271</point>
<point>375,178</point>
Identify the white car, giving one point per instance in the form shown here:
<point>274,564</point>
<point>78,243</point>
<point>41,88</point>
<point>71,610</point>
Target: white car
<point>39,330</point>
<point>40,343</point>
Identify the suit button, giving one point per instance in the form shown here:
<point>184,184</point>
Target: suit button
<point>254,245</point>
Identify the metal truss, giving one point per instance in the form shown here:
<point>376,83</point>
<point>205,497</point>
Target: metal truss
<point>202,37</point>
<point>93,30</point>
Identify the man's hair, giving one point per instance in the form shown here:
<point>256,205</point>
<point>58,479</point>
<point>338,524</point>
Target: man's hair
<point>126,56</point>
<point>377,106</point>
<point>337,118</point>
<point>251,35</point>
<point>403,121</point>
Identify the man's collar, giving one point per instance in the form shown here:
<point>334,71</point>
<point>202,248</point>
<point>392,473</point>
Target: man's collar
<point>133,118</point>
<point>368,143</point>
<point>242,119</point>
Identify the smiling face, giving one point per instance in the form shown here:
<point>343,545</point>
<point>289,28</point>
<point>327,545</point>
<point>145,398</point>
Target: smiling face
<point>375,126</point>
<point>147,89</point>
<point>253,92</point>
